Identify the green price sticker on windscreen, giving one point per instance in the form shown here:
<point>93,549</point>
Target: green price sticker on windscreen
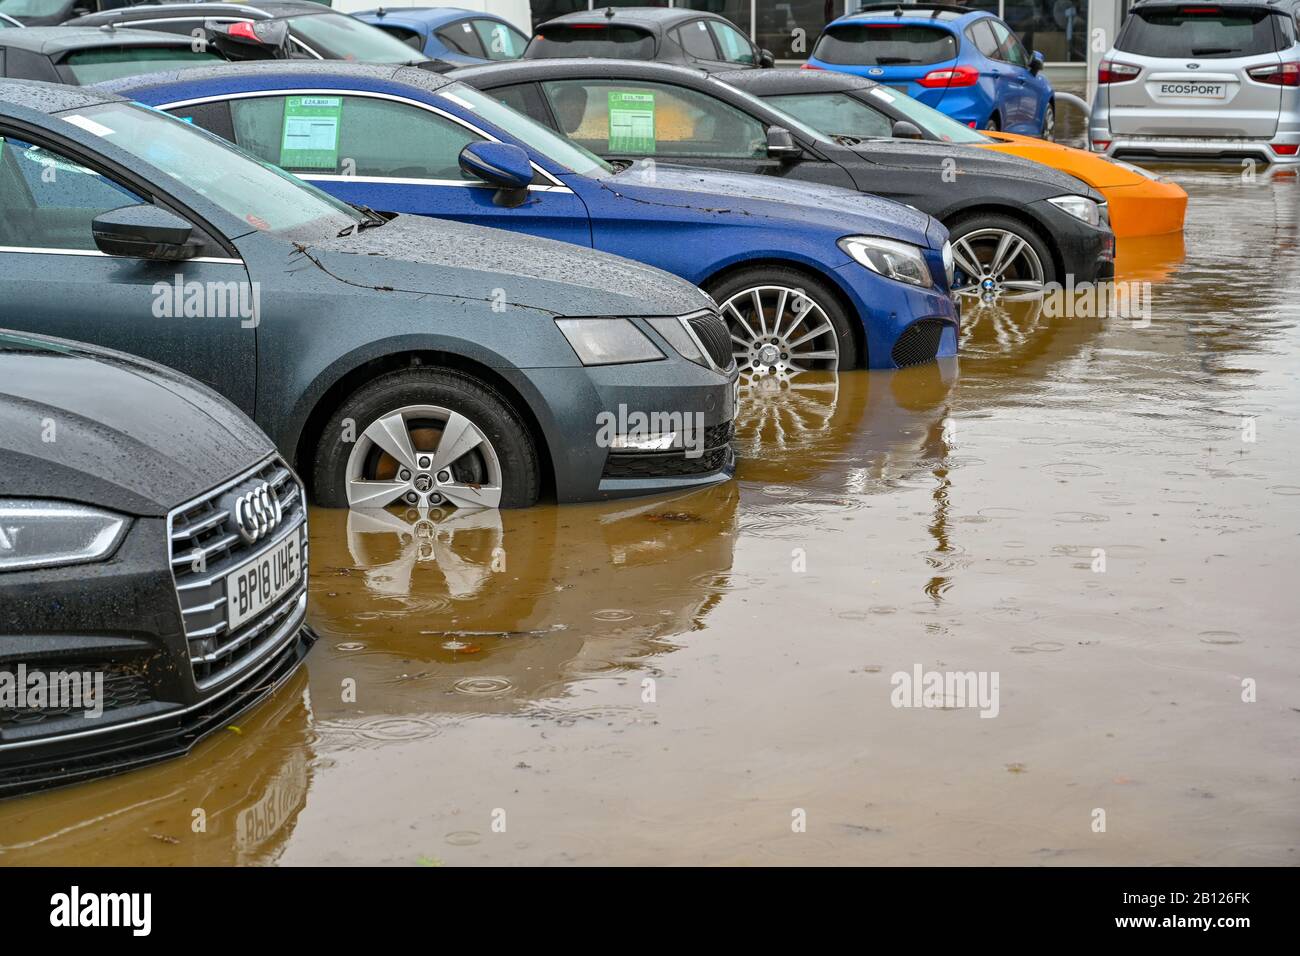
<point>631,122</point>
<point>311,132</point>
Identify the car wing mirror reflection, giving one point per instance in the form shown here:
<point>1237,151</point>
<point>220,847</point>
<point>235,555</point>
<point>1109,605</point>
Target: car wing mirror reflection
<point>144,232</point>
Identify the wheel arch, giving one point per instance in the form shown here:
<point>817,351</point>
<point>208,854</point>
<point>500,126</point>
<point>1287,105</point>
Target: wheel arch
<point>845,301</point>
<point>1028,220</point>
<point>345,384</point>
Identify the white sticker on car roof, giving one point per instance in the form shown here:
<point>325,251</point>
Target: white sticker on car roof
<point>880,93</point>
<point>463,104</point>
<point>89,125</point>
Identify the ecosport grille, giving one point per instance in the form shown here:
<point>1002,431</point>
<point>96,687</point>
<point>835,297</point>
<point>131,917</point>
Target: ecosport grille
<point>206,546</point>
<point>712,333</point>
<point>919,343</point>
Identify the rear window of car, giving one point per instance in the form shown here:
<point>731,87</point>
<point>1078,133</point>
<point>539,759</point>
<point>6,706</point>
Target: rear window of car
<point>621,42</point>
<point>410,37</point>
<point>884,44</point>
<point>1201,31</point>
<point>95,66</point>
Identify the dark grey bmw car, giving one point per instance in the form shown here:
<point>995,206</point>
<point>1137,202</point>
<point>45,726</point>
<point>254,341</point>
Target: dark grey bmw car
<point>391,359</point>
<point>153,563</point>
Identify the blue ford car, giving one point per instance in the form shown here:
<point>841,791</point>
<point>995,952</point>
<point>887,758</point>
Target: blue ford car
<point>966,63</point>
<point>808,276</point>
<point>450,35</point>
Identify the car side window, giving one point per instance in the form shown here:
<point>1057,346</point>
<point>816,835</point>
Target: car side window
<point>735,46</point>
<point>695,39</point>
<point>48,200</point>
<point>500,42</point>
<point>460,36</point>
<point>351,135</point>
<point>652,119</point>
<point>518,98</point>
<point>1009,48</point>
<point>982,36</point>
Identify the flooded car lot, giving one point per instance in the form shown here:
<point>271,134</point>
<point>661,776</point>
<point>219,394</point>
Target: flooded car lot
<point>1102,513</point>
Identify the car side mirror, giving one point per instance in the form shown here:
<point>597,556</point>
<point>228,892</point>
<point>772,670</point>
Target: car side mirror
<point>766,60</point>
<point>904,129</point>
<point>781,144</point>
<point>502,165</point>
<point>143,232</point>
<point>1036,63</point>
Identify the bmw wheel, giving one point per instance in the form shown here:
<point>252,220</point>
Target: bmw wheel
<point>783,322</point>
<point>426,438</point>
<point>999,257</point>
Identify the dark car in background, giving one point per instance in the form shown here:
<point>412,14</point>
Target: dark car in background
<point>314,31</point>
<point>153,552</point>
<point>1018,224</point>
<point>685,37</point>
<point>80,56</point>
<point>40,13</point>
<point>390,359</point>
<point>450,35</point>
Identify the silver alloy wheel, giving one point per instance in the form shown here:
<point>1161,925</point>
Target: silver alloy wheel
<point>423,455</point>
<point>994,263</point>
<point>779,331</point>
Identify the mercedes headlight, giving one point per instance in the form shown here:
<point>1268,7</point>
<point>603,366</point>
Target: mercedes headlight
<point>1080,207</point>
<point>48,534</point>
<point>608,341</point>
<point>892,259</point>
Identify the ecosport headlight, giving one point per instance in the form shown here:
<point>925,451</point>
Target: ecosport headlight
<point>1080,207</point>
<point>49,534</point>
<point>892,259</point>
<point>608,341</point>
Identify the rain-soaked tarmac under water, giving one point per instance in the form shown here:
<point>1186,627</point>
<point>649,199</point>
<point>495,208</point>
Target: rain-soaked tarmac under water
<point>686,680</point>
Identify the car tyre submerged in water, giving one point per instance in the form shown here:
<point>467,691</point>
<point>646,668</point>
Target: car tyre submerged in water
<point>999,255</point>
<point>772,335</point>
<point>425,436</point>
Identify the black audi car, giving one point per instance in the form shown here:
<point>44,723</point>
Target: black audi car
<point>1024,224</point>
<point>696,38</point>
<point>153,563</point>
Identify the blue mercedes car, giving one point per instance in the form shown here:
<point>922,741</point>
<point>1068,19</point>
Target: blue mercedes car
<point>808,276</point>
<point>964,62</point>
<point>452,36</point>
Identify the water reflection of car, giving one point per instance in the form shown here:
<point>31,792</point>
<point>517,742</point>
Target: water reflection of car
<point>152,542</point>
<point>450,613</point>
<point>234,801</point>
<point>390,358</point>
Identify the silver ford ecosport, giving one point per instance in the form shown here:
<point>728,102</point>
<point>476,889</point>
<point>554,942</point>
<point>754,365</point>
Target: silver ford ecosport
<point>1216,80</point>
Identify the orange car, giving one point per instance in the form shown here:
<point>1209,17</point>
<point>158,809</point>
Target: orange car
<point>1141,203</point>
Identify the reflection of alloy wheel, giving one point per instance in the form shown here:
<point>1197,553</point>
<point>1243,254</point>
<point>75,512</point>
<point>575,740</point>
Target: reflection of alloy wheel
<point>997,257</point>
<point>783,323</point>
<point>426,438</point>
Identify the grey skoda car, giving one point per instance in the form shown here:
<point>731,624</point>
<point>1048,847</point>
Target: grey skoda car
<point>392,359</point>
<point>153,563</point>
<point>1218,81</point>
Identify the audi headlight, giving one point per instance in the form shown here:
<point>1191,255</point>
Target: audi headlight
<point>1080,207</point>
<point>608,341</point>
<point>892,259</point>
<point>48,534</point>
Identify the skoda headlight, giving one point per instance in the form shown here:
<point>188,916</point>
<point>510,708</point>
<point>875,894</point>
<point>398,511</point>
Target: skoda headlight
<point>47,534</point>
<point>892,259</point>
<point>1080,207</point>
<point>608,341</point>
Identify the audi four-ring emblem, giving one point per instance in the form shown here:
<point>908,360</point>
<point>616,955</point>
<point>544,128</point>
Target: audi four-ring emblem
<point>256,513</point>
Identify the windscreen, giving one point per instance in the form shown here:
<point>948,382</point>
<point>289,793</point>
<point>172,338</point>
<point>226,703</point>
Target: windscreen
<point>885,44</point>
<point>596,39</point>
<point>1200,31</point>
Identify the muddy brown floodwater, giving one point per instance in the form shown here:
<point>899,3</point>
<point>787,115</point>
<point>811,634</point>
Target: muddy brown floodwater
<point>683,680</point>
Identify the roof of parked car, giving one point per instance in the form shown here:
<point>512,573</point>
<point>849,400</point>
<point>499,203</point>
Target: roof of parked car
<point>50,97</point>
<point>154,11</point>
<point>779,82</point>
<point>1277,4</point>
<point>425,16</point>
<point>943,12</point>
<point>522,71</point>
<point>650,18</point>
<point>51,41</point>
<point>292,70</point>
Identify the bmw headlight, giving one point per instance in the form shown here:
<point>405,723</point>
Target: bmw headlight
<point>608,341</point>
<point>48,534</point>
<point>1080,207</point>
<point>892,259</point>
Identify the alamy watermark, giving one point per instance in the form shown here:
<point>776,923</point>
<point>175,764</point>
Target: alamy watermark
<point>1098,300</point>
<point>208,300</point>
<point>651,431</point>
<point>23,689</point>
<point>946,690</point>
